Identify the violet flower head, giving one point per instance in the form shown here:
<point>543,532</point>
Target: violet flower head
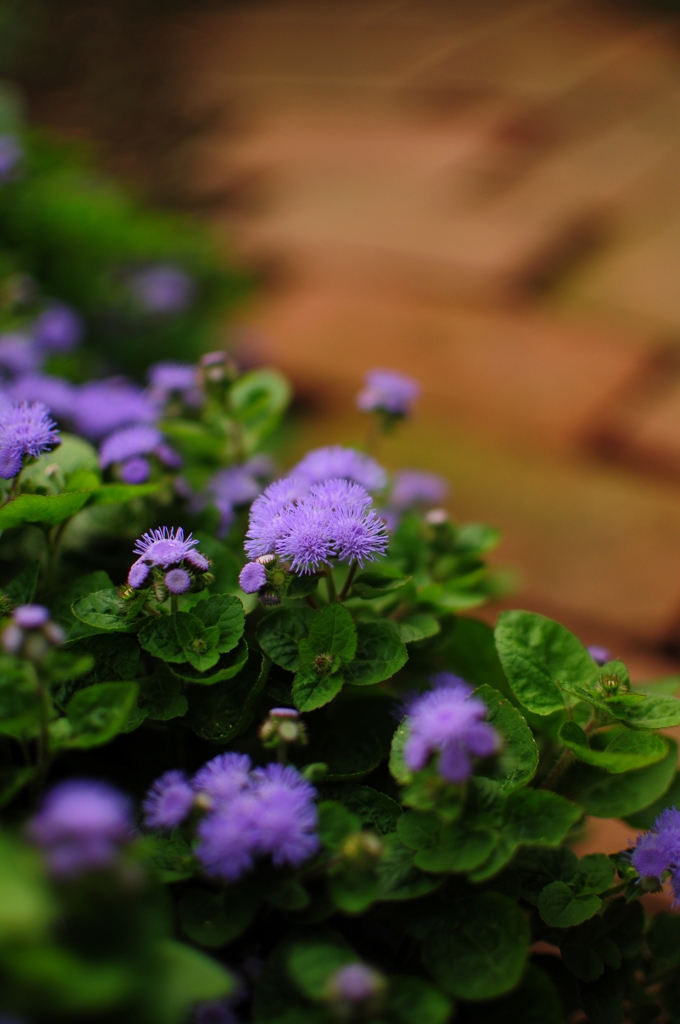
<point>57,394</point>
<point>338,492</point>
<point>229,488</point>
<point>169,377</point>
<point>388,391</point>
<point>267,524</point>
<point>448,722</point>
<point>136,470</point>
<point>227,838</point>
<point>58,329</point>
<point>169,801</point>
<point>412,487</point>
<point>178,581</point>
<point>252,577</point>
<point>346,463</point>
<point>286,815</point>
<point>164,547</point>
<point>30,616</point>
<point>600,655</point>
<point>658,851</point>
<point>139,575</point>
<point>80,825</point>
<point>162,288</point>
<point>356,983</point>
<point>140,439</point>
<point>103,406</point>
<point>11,154</point>
<point>223,777</point>
<point>306,542</point>
<point>25,429</point>
<point>359,535</point>
<point>18,354</point>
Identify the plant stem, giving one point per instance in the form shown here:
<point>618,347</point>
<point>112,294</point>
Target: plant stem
<point>174,603</point>
<point>557,771</point>
<point>348,582</point>
<point>312,603</point>
<point>43,759</point>
<point>54,539</point>
<point>330,586</point>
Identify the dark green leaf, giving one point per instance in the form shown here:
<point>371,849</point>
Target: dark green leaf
<point>98,713</point>
<point>215,918</point>
<point>21,589</point>
<point>459,848</point>
<point>413,1001</point>
<point>225,612</point>
<point>181,637</point>
<point>418,830</point>
<point>115,657</point>
<point>602,1000</point>
<point>161,697</point>
<point>228,666</point>
<point>399,878</point>
<point>312,689</point>
<point>49,509</point>
<point>115,494</point>
<point>559,908</point>
<point>418,626</point>
<point>313,961</point>
<point>657,711</point>
<point>331,633</point>
<point>335,824</point>
<point>537,654</point>
<point>302,586</point>
<point>380,653</point>
<point>12,781</point>
<point>595,874</point>
<point>19,702</point>
<point>518,760</point>
<point>472,654</point>
<point>645,818</point>
<point>346,739</point>
<point>538,816</point>
<point>374,809</point>
<point>189,977</point>
<point>170,856</point>
<point>104,609</point>
<point>663,939</point>
<point>625,749</point>
<point>352,890</point>
<point>223,711</point>
<point>371,584</point>
<point>280,632</point>
<point>607,796</point>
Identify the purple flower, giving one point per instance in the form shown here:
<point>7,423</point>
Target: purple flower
<point>252,577</point>
<point>169,377</point>
<point>267,523</point>
<point>163,288</point>
<point>11,154</point>
<point>290,713</point>
<point>359,535</point>
<point>81,824</point>
<point>229,488</point>
<point>388,391</point>
<point>12,639</point>
<point>286,815</point>
<point>338,492</point>
<point>169,801</point>
<point>18,353</point>
<point>227,838</point>
<point>601,655</point>
<point>223,777</point>
<point>30,616</point>
<point>164,546</point>
<point>25,429</point>
<point>58,328</point>
<point>449,722</point>
<point>347,463</point>
<point>138,575</point>
<point>103,406</point>
<point>197,561</point>
<point>136,470</point>
<point>140,439</point>
<point>57,394</point>
<point>356,983</point>
<point>413,487</point>
<point>658,851</point>
<point>178,581</point>
<point>306,542</point>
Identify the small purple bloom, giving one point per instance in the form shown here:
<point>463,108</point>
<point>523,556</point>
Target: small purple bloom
<point>306,542</point>
<point>164,547</point>
<point>412,487</point>
<point>291,713</point>
<point>178,581</point>
<point>658,851</point>
<point>358,535</point>
<point>140,439</point>
<point>11,153</point>
<point>347,463</point>
<point>388,391</point>
<point>286,815</point>
<point>19,354</point>
<point>12,639</point>
<point>136,470</point>
<point>58,328</point>
<point>57,394</point>
<point>252,577</point>
<point>267,522</point>
<point>230,488</point>
<point>227,839</point>
<point>80,825</point>
<point>223,777</point>
<point>356,983</point>
<point>25,429</point>
<point>197,561</point>
<point>103,406</point>
<point>163,288</point>
<point>338,492</point>
<point>601,655</point>
<point>169,801</point>
<point>448,722</point>
<point>30,616</point>
<point>138,575</point>
<point>168,456</point>
<point>168,377</point>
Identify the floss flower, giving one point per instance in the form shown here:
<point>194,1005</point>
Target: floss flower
<point>167,549</point>
<point>449,723</point>
<point>388,391</point>
<point>58,329</point>
<point>56,393</point>
<point>18,354</point>
<point>81,825</point>
<point>658,851</point>
<point>25,429</point>
<point>103,406</point>
<point>252,577</point>
<point>344,463</point>
<point>413,487</point>
<point>169,801</point>
<point>163,288</point>
<point>223,777</point>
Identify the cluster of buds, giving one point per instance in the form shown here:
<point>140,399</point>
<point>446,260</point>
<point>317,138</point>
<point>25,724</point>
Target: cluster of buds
<point>216,371</point>
<point>169,564</point>
<point>31,633</point>
<point>356,991</point>
<point>281,727</point>
<point>362,850</point>
<point>266,577</point>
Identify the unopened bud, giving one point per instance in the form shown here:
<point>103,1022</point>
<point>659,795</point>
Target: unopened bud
<point>437,517</point>
<point>269,600</point>
<point>363,848</point>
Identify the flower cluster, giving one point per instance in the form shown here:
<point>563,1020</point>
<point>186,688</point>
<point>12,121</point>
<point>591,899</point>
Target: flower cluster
<point>162,288</point>
<point>388,392</point>
<point>31,632</point>
<point>81,825</point>
<point>169,559</point>
<point>25,429</point>
<point>657,852</point>
<point>250,813</point>
<point>449,723</point>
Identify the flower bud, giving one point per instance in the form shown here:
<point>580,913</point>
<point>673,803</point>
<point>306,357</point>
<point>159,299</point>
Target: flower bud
<point>282,726</point>
<point>362,849</point>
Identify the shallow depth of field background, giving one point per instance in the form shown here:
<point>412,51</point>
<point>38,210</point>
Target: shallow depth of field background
<point>483,194</point>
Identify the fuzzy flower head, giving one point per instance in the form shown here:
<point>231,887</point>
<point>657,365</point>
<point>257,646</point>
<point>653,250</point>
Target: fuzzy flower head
<point>169,801</point>
<point>81,825</point>
<point>162,288</point>
<point>658,851</point>
<point>307,542</point>
<point>388,391</point>
<point>412,487</point>
<point>164,547</point>
<point>356,983</point>
<point>600,655</point>
<point>253,577</point>
<point>449,723</point>
<point>335,462</point>
<point>359,535</point>
<point>168,552</point>
<point>267,524</point>
<point>57,394</point>
<point>58,329</point>
<point>19,354</point>
<point>223,777</point>
<point>232,487</point>
<point>103,406</point>
<point>25,429</point>
<point>340,493</point>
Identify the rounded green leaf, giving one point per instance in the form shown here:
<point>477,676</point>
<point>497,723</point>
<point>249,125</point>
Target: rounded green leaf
<point>280,632</point>
<point>379,654</point>
<point>226,667</point>
<point>225,612</point>
<point>312,689</point>
<point>624,751</point>
<point>331,633</point>
<point>518,759</point>
<point>98,713</point>
<point>49,509</point>
<point>213,919</point>
<point>617,796</point>
<point>105,609</point>
<point>559,908</point>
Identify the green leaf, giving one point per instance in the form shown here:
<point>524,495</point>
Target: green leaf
<point>534,1001</point>
<point>419,831</point>
<point>379,654</point>
<point>226,613</point>
<point>418,626</point>
<point>480,953</point>
<point>104,609</point>
<point>471,653</point>
<point>49,509</point>
<point>645,818</point>
<point>537,654</point>
<point>181,637</point>
<point>115,657</point>
<point>399,878</point>
<point>663,939</point>
<point>120,494</point>
<point>413,1001</point>
<point>459,848</point>
<point>313,961</point>
<point>312,689</point>
<point>161,697</point>
<point>372,584</point>
<point>19,702</point>
<point>26,905</point>
<point>216,918</point>
<point>595,874</point>
<point>189,977</point>
<point>228,666</point>
<point>373,808</point>
<point>335,824</point>
<point>12,781</point>
<point>257,400</point>
<point>21,589</point>
<point>223,711</point>
<point>331,633</point>
<point>347,739</point>
<point>98,713</point>
<point>280,632</point>
<point>170,856</point>
<point>658,711</point>
<point>618,796</point>
<point>518,760</point>
<point>538,816</point>
<point>625,749</point>
<point>398,769</point>
<point>559,908</point>
<point>302,586</point>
